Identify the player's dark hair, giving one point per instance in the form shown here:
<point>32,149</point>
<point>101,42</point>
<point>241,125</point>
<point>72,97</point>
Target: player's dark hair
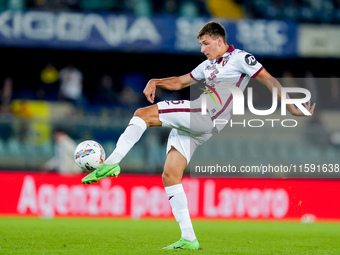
<point>59,129</point>
<point>214,29</point>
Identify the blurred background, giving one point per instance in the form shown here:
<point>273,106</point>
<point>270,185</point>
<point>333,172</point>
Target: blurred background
<point>79,67</point>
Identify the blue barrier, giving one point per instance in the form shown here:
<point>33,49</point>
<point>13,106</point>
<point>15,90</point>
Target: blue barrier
<point>114,32</point>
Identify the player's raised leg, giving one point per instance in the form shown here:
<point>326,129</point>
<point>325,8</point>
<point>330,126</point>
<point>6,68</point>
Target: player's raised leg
<point>172,176</point>
<point>142,119</point>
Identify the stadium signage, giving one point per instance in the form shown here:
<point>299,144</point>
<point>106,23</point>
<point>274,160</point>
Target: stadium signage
<point>112,32</point>
<point>263,37</point>
<point>252,202</point>
<point>138,200</point>
<point>53,195</point>
<point>77,27</point>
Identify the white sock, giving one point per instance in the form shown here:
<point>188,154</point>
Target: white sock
<point>179,205</point>
<point>127,140</point>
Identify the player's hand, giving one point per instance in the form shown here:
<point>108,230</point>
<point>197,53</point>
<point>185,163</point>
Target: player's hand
<point>308,106</point>
<point>150,91</point>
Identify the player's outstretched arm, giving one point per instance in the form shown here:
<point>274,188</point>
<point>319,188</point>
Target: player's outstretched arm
<point>171,83</point>
<point>270,82</point>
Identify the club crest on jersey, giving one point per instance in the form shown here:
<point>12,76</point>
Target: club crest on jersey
<point>250,60</point>
<point>225,61</point>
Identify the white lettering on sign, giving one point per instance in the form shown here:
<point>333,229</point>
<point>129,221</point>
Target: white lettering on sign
<point>191,188</point>
<point>48,199</point>
<point>77,27</point>
<point>153,202</point>
<point>186,31</point>
<point>254,203</point>
<point>262,37</point>
<point>28,197</point>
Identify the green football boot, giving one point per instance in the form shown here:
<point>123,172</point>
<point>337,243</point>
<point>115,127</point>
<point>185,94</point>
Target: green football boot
<point>183,244</point>
<point>102,172</point>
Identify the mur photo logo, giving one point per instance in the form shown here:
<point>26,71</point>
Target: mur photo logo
<point>237,99</point>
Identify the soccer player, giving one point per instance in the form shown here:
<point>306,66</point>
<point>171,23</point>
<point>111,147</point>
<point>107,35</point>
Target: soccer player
<point>190,128</point>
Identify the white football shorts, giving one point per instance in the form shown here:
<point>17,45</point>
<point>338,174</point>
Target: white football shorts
<point>189,127</point>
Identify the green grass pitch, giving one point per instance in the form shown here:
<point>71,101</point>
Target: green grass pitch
<point>117,236</point>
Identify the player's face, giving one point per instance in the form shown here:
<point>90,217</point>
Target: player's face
<point>210,46</point>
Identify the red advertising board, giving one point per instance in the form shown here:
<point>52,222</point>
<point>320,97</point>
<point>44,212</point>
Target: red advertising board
<point>50,195</point>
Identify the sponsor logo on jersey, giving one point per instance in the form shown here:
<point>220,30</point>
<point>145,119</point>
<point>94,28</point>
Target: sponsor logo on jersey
<point>250,60</point>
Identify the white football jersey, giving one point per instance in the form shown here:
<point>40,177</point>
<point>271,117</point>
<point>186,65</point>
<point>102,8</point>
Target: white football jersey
<point>235,67</point>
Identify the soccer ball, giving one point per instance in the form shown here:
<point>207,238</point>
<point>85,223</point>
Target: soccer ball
<point>89,155</point>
